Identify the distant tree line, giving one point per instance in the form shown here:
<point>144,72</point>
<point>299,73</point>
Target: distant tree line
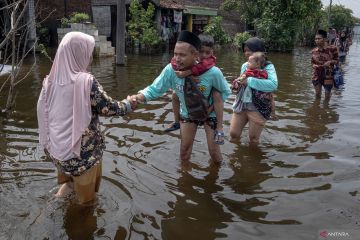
<point>286,23</point>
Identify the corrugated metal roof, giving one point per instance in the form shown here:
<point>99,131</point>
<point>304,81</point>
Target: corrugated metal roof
<point>215,4</point>
<point>200,10</point>
<point>170,4</point>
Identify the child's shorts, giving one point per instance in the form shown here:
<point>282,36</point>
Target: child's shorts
<point>86,185</point>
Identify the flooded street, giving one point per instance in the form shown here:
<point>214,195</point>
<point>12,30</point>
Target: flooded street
<point>302,179</point>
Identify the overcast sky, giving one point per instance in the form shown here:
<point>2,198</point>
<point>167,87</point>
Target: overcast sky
<point>352,4</point>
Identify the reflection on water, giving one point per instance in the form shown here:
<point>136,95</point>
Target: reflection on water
<point>197,208</point>
<point>303,178</point>
<point>317,120</point>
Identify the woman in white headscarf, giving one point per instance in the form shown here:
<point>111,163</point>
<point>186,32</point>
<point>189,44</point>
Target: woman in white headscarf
<point>68,110</point>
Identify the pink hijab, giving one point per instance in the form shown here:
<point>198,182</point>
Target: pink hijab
<point>64,108</point>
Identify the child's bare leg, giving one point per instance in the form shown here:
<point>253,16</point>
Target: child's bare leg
<point>176,107</point>
<point>176,110</point>
<point>273,115</point>
<point>219,111</point>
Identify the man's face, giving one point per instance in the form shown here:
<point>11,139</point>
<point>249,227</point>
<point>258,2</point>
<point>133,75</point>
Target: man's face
<point>185,55</point>
<point>319,40</point>
<point>205,52</point>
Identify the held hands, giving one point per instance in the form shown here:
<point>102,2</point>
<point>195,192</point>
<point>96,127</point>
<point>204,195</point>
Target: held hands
<point>327,63</point>
<point>133,101</point>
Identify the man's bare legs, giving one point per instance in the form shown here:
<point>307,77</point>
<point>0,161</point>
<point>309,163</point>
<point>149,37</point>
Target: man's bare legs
<point>327,96</point>
<point>214,149</point>
<point>318,89</point>
<point>188,132</point>
<point>219,112</point>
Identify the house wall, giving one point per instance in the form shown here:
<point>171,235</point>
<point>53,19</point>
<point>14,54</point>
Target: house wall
<point>60,9</point>
<point>50,12</point>
<point>102,19</point>
<point>231,20</point>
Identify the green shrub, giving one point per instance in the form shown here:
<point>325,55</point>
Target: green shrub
<point>42,49</point>
<point>75,17</point>
<point>279,22</point>
<point>65,22</point>
<point>43,34</point>
<point>240,38</point>
<point>141,25</point>
<point>150,37</point>
<point>215,29</point>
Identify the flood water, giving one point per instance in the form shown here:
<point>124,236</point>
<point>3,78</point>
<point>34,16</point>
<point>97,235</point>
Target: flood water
<point>302,179</point>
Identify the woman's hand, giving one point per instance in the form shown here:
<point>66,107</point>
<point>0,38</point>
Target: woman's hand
<point>235,84</point>
<point>243,82</point>
<point>133,101</point>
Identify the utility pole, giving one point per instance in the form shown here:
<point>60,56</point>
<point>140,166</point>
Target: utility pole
<point>120,32</point>
<point>329,15</point>
<point>65,9</point>
<point>32,24</point>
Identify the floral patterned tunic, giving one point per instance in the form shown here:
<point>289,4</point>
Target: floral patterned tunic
<point>92,142</point>
<point>321,73</point>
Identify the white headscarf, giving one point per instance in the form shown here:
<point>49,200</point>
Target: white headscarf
<point>64,108</point>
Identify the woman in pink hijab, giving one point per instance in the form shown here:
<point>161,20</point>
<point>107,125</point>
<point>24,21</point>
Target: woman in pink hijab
<point>68,110</point>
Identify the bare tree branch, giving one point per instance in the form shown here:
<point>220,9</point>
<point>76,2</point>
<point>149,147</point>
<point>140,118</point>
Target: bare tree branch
<point>14,25</point>
<point>15,43</point>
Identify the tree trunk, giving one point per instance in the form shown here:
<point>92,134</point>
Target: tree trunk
<point>10,101</point>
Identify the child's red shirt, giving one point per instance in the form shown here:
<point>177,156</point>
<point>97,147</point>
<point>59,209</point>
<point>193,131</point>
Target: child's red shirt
<point>198,69</point>
<point>256,73</point>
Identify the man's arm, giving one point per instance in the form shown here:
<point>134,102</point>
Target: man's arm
<point>160,85</point>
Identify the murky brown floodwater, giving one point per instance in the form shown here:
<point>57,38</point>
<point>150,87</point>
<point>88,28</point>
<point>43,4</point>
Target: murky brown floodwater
<point>303,178</point>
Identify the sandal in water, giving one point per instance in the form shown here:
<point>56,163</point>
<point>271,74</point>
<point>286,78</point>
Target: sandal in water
<point>174,126</point>
<point>219,137</point>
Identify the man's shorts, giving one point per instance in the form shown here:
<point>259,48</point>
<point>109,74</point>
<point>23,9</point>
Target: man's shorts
<point>211,122</point>
<point>86,185</point>
<point>327,87</point>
